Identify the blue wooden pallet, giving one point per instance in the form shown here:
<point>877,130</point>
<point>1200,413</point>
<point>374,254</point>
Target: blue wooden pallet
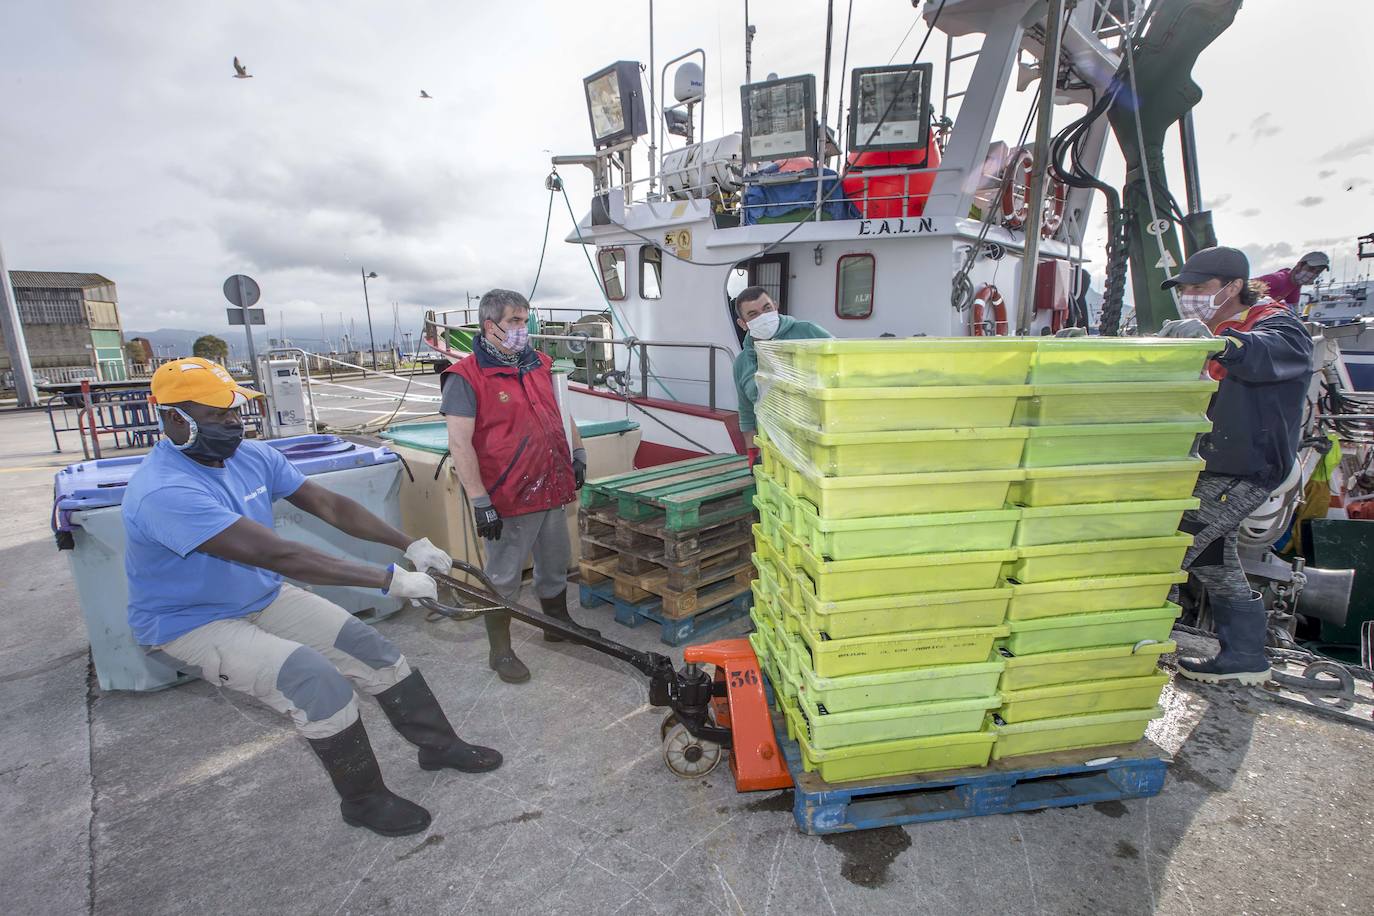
<point>1029,783</point>
<point>675,632</point>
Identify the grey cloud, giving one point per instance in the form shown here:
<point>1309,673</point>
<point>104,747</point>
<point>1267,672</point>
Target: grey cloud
<point>1215,203</point>
<point>1309,201</point>
<point>1360,146</point>
<point>1326,173</point>
<point>1260,127</point>
<point>1251,211</point>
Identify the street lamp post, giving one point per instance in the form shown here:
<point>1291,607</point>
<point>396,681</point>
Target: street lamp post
<point>373,340</point>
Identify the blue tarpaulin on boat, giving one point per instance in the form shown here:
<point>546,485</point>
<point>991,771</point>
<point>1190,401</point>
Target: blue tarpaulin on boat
<point>772,202</point>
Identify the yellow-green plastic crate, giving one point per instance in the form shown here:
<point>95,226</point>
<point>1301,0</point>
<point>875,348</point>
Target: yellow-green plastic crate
<point>1110,443</point>
<point>831,730</point>
<point>896,452</point>
<point>1044,669</point>
<point>1119,359</point>
<point>896,688</point>
<point>861,410</point>
<point>1042,525</point>
<point>900,362</point>
<point>1112,558</point>
<point>890,535</point>
<point>1033,601</point>
<point>769,492</point>
<point>765,548</point>
<point>984,607</point>
<point>789,682</point>
<point>867,654</point>
<point>891,758</point>
<point>1115,402</point>
<point>1084,697</point>
<point>904,494</point>
<point>1067,733</point>
<point>838,580</point>
<point>1083,631</point>
<point>764,613</point>
<point>1107,483</point>
<point>770,521</point>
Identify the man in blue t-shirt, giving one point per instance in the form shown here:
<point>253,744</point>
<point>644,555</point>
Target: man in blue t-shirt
<point>206,593</point>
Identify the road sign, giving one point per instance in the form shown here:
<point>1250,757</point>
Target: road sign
<point>255,316</point>
<point>242,291</point>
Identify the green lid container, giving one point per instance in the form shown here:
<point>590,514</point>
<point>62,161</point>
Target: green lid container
<point>1084,697</point>
<point>1113,558</point>
<point>1067,733</point>
<point>1107,483</point>
<point>890,758</point>
<point>1043,669</point>
<point>828,730</point>
<point>984,607</point>
<point>1082,631</point>
<point>1110,443</point>
<point>1120,359</point>
<point>898,361</point>
<point>858,410</point>
<point>898,688</point>
<point>893,535</point>
<point>1115,402</point>
<point>890,652</point>
<point>1032,601</point>
<point>1100,521</point>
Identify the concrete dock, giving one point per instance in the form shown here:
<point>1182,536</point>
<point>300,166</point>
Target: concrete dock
<point>197,800</point>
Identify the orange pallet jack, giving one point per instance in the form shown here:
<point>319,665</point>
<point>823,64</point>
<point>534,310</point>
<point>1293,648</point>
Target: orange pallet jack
<point>723,709</point>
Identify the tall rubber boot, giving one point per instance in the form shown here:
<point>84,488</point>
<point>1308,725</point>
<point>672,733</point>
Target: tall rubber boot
<point>1241,628</point>
<point>502,658</point>
<point>365,801</point>
<point>416,714</point>
<point>557,608</point>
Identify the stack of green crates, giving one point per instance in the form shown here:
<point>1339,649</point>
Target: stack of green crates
<point>965,546</point>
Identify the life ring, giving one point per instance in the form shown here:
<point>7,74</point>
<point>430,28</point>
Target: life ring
<point>1053,214</point>
<point>988,297</point>
<point>1016,196</point>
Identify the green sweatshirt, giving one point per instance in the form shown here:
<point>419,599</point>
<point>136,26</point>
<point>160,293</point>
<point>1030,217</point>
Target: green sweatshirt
<point>747,363</point>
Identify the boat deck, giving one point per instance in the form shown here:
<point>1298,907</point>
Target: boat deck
<point>193,800</point>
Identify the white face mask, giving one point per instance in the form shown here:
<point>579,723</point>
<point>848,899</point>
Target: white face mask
<point>1196,305</point>
<point>764,325</point>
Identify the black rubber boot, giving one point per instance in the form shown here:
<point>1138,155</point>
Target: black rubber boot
<point>1241,627</point>
<point>416,714</point>
<point>502,657</point>
<point>365,801</point>
<point>557,607</point>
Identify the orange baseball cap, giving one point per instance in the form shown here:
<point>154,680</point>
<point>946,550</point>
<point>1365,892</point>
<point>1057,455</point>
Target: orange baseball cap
<point>199,380</point>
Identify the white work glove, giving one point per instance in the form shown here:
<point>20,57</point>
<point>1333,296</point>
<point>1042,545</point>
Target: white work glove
<point>1184,327</point>
<point>425,557</point>
<point>407,584</point>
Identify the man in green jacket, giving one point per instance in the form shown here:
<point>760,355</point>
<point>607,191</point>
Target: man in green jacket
<point>756,313</point>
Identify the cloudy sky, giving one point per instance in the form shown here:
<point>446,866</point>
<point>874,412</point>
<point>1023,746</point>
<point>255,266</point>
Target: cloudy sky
<point>128,149</point>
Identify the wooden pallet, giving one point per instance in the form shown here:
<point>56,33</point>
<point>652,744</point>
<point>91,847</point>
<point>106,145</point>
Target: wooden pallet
<point>683,495</point>
<point>1029,783</point>
<point>674,631</point>
<point>651,540</point>
<point>734,572</point>
<point>733,542</point>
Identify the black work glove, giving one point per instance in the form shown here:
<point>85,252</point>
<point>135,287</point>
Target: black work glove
<point>488,519</point>
<point>579,467</point>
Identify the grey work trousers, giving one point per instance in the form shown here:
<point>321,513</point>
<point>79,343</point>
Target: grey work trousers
<point>545,533</point>
<point>302,655</point>
<point>1215,526</point>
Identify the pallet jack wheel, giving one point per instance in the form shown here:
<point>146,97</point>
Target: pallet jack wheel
<point>668,722</point>
<point>686,755</point>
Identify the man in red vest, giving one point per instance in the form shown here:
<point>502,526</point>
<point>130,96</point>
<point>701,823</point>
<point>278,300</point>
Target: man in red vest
<point>509,448</point>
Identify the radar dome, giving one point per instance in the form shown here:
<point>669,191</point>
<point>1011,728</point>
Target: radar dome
<point>689,83</point>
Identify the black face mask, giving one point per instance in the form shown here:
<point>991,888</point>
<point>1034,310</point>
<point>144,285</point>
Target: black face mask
<point>211,441</point>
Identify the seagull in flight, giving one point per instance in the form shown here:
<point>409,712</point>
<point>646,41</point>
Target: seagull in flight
<point>240,71</point>
<point>425,95</point>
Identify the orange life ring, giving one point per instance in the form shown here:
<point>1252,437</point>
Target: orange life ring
<point>988,297</point>
<point>1053,215</point>
<point>1016,197</point>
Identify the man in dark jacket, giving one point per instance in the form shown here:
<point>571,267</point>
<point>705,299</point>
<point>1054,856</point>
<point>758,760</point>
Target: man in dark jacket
<point>1264,368</point>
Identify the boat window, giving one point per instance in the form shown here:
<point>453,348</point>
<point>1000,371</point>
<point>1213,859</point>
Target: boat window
<point>612,263</point>
<point>651,272</point>
<point>854,286</point>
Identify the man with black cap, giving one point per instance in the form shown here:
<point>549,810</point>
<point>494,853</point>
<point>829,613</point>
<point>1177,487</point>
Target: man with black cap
<point>1286,285</point>
<point>1263,364</point>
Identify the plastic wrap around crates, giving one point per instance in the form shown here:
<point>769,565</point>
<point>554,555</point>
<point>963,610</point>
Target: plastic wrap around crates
<point>890,758</point>
<point>1085,631</point>
<point>893,651</point>
<point>893,535</point>
<point>1044,525</point>
<point>1111,695</point>
<point>986,607</point>
<point>1106,483</point>
<point>913,494</point>
<point>1085,558</point>
<point>1071,666</point>
<point>898,362</point>
<point>860,410</point>
<point>1110,443</point>
<point>1119,359</point>
<point>837,580</point>
<point>1066,733</point>
<point>905,686</point>
<point>829,730</point>
<point>830,454</point>
<point>1110,402</point>
<point>1033,601</point>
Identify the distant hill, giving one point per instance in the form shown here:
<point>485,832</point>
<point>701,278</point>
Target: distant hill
<point>168,342</point>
